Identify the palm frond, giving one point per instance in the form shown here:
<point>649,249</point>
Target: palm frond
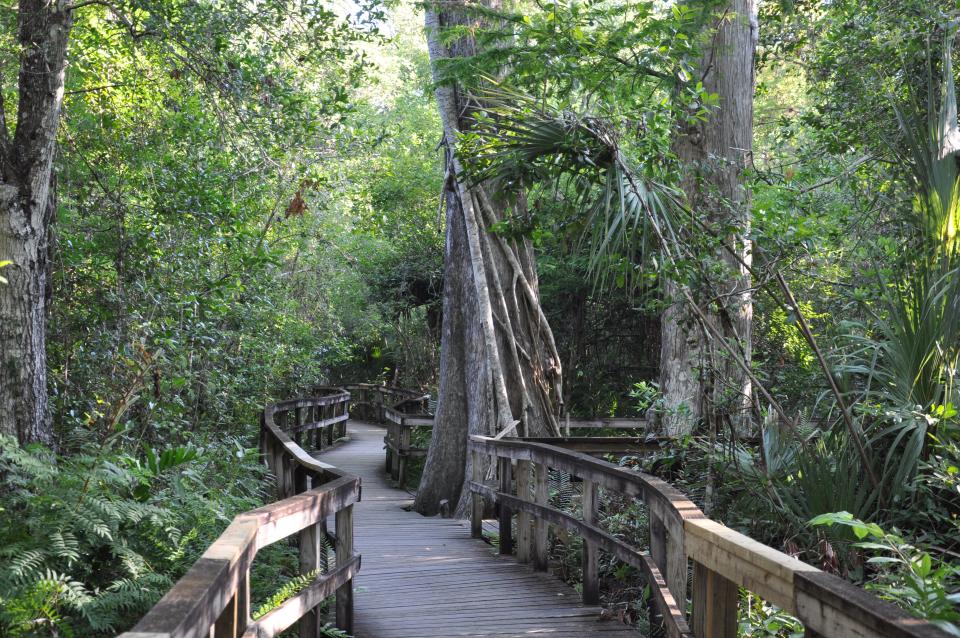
<point>518,142</point>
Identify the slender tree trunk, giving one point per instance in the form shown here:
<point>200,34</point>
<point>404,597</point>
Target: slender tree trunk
<point>26,212</point>
<point>699,379</point>
<point>499,367</point>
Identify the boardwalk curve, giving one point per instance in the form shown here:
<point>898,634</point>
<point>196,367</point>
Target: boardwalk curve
<point>427,577</point>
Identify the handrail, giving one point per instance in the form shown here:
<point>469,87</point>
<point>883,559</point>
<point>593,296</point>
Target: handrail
<point>213,597</point>
<point>723,559</point>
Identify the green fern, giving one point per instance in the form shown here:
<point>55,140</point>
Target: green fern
<point>85,551</point>
<point>285,593</point>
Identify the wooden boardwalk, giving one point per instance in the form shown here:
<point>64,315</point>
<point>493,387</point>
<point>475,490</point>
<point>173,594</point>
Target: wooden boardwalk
<point>425,577</point>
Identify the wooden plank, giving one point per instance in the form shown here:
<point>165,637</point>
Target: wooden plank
<point>524,520</point>
<point>750,564</point>
<point>404,446</point>
<point>310,561</point>
<point>588,563</point>
<point>599,444</point>
<point>714,604</point>
<point>541,531</point>
<point>505,469</point>
<point>611,423</point>
<point>476,510</point>
<point>344,524</point>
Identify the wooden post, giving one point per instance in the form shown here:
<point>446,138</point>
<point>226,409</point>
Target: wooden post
<point>714,604</point>
<point>541,530</point>
<point>524,520</point>
<point>297,423</point>
<point>395,439</point>
<point>591,583</point>
<point>344,522</point>
<point>310,549</point>
<point>232,621</point>
<point>658,552</point>
<point>505,514</point>
<point>676,570</point>
<point>329,412</point>
<point>405,433</point>
<point>476,514</point>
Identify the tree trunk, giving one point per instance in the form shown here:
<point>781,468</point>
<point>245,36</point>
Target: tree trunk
<point>499,367</point>
<point>698,376</point>
<point>26,211</point>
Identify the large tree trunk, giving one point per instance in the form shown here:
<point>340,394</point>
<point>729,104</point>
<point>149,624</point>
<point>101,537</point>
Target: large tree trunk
<point>26,211</point>
<point>699,377</point>
<point>499,367</point>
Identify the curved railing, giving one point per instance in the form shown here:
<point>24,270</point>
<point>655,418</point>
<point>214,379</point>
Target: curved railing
<point>723,560</point>
<point>213,598</point>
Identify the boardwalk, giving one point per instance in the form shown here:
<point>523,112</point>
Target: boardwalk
<point>428,577</point>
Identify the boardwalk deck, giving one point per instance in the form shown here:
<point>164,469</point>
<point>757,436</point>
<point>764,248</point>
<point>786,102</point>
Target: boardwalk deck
<point>426,577</point>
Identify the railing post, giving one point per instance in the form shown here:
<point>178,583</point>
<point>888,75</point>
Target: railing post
<point>541,530</point>
<point>714,604</point>
<point>344,521</point>
<point>591,583</point>
<point>393,428</point>
<point>677,564</point>
<point>310,549</point>
<point>505,514</point>
<point>404,451</point>
<point>476,515</point>
<point>658,552</point>
<point>524,533</point>
<point>232,621</point>
<point>297,424</point>
<point>329,413</point>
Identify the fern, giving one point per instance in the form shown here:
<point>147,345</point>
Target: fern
<point>85,551</point>
<point>285,593</point>
<point>561,489</point>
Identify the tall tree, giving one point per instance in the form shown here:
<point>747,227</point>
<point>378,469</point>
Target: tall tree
<point>26,210</point>
<point>699,375</point>
<point>500,370</point>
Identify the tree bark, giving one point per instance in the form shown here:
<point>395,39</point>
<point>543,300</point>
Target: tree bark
<point>699,380</point>
<point>499,368</point>
<point>26,212</point>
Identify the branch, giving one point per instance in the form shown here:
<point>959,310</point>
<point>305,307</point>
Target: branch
<point>86,3</point>
<point>834,388</point>
<point>846,172</point>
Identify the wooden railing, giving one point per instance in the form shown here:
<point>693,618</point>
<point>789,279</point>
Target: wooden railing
<point>213,598</point>
<point>369,401</point>
<point>401,419</point>
<point>723,560</point>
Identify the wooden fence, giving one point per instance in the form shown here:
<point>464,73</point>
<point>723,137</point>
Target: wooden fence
<point>723,560</point>
<point>213,598</point>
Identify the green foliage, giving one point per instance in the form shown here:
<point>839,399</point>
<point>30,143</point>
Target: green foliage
<point>756,618</point>
<point>290,589</point>
<point>88,545</point>
<point>905,574</point>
